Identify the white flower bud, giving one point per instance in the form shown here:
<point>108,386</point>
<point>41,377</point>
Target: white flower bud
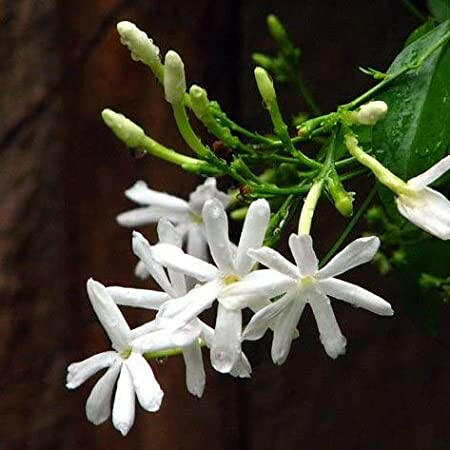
<point>140,45</point>
<point>174,78</point>
<point>126,130</point>
<point>371,113</point>
<point>265,85</point>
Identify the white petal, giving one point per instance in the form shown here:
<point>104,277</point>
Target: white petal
<point>147,389</point>
<point>330,334</point>
<point>356,253</point>
<point>216,229</point>
<point>140,271</point>
<point>140,193</point>
<point>145,215</point>
<point>154,341</point>
<point>143,250</point>
<point>265,317</point>
<point>123,407</point>
<point>178,312</point>
<point>79,372</point>
<point>226,346</point>
<point>207,332</point>
<point>108,314</point>
<point>273,260</point>
<point>187,335</point>
<point>252,235</point>
<point>430,175</point>
<point>195,371</point>
<point>145,328</point>
<point>168,234</point>
<point>204,192</point>
<point>429,211</point>
<point>355,295</point>
<point>139,298</point>
<point>98,404</point>
<point>303,253</point>
<point>265,283</point>
<point>242,368</point>
<point>196,242</point>
<point>285,330</point>
<point>174,258</point>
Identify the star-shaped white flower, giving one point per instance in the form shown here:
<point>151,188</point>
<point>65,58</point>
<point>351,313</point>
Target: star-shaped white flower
<point>186,215</point>
<point>125,364</point>
<point>301,284</point>
<point>232,265</point>
<point>425,207</point>
<point>174,286</point>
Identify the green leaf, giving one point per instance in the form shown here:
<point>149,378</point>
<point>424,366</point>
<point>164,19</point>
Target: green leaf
<point>420,31</point>
<point>415,133</point>
<point>440,9</point>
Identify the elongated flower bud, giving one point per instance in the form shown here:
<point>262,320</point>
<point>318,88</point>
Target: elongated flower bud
<point>141,46</point>
<point>265,85</point>
<point>343,200</point>
<point>371,113</point>
<point>174,78</point>
<point>126,130</point>
<point>199,101</point>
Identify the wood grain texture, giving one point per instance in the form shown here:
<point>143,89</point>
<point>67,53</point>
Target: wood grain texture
<point>62,176</point>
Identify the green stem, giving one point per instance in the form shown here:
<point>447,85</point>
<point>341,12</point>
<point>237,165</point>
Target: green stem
<point>186,130</point>
<point>384,175</point>
<point>349,227</point>
<point>156,149</point>
<point>169,352</point>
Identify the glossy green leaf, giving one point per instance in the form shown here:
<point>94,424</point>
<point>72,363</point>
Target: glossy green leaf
<point>415,133</point>
<point>421,31</point>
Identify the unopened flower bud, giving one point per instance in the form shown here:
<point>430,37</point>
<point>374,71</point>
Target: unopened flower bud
<point>126,130</point>
<point>199,101</point>
<point>371,113</point>
<point>174,78</point>
<point>262,60</point>
<point>343,200</point>
<point>140,45</point>
<point>276,29</point>
<point>265,85</point>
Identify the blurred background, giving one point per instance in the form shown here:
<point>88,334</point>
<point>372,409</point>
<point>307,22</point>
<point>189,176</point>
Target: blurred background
<point>62,177</point>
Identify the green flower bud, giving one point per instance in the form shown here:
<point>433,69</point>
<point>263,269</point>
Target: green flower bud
<point>276,29</point>
<point>126,130</point>
<point>399,257</point>
<point>343,200</point>
<point>263,60</point>
<point>140,45</point>
<point>174,78</point>
<point>199,102</point>
<point>265,85</point>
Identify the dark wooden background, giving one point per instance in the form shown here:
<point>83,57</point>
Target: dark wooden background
<point>62,176</point>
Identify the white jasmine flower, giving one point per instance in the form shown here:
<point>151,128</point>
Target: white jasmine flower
<point>301,284</point>
<point>174,286</point>
<point>371,113</point>
<point>425,207</point>
<point>124,363</point>
<point>232,265</point>
<point>174,78</point>
<point>186,215</point>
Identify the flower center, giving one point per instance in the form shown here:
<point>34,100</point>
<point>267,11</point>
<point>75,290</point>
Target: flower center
<point>231,278</point>
<point>196,218</point>
<point>306,282</point>
<point>126,353</point>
